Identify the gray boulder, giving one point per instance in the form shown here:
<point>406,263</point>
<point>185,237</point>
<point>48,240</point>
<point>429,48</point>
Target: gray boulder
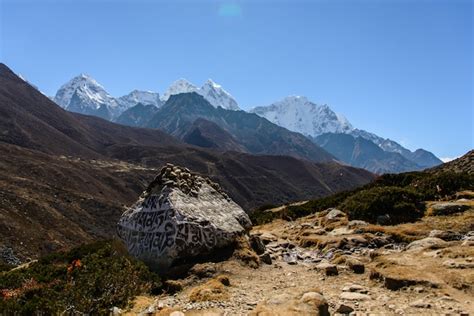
<point>426,243</point>
<point>448,208</point>
<point>445,235</point>
<point>334,214</point>
<point>179,216</point>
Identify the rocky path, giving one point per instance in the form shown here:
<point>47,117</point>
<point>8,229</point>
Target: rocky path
<point>431,276</point>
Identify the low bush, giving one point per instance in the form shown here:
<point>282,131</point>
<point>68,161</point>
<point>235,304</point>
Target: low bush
<point>261,216</point>
<point>89,279</point>
<point>400,204</point>
<point>311,207</point>
<point>443,185</point>
<point>417,186</point>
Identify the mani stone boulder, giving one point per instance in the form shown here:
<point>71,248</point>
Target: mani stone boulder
<point>180,216</point>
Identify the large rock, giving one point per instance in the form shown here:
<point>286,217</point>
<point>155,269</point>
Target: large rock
<point>425,243</point>
<point>179,216</point>
<point>448,208</point>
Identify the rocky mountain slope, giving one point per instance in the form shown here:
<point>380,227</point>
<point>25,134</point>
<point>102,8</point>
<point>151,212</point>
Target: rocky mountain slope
<point>363,153</point>
<point>463,164</point>
<point>255,134</point>
<point>421,157</point>
<point>60,170</point>
<point>207,134</point>
<point>137,115</point>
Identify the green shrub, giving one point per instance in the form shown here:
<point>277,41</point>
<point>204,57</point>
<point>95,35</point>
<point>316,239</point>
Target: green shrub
<point>438,186</point>
<point>88,279</point>
<point>260,216</point>
<point>396,179</point>
<point>5,266</point>
<point>401,204</point>
<point>314,206</point>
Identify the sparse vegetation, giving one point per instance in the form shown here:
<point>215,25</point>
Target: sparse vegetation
<point>399,204</point>
<point>212,290</point>
<point>245,253</point>
<point>88,279</point>
<point>401,196</point>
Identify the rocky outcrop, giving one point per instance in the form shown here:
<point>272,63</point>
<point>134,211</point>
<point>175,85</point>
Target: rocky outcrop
<point>448,208</point>
<point>179,216</point>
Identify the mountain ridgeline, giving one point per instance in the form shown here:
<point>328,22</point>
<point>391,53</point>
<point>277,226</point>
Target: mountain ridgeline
<point>227,130</point>
<point>250,132</point>
<point>363,153</point>
<point>336,134</point>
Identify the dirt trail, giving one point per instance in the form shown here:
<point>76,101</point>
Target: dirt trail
<point>433,288</point>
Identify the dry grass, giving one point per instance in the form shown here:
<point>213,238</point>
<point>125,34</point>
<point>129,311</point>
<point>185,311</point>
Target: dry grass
<point>212,290</point>
<point>139,303</point>
<point>406,269</point>
<point>245,253</point>
<point>409,232</point>
<point>172,286</point>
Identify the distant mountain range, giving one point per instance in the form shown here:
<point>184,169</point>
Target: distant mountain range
<point>248,132</point>
<point>295,113</point>
<point>85,95</point>
<point>317,121</point>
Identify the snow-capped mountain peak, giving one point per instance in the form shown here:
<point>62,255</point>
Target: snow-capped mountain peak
<point>211,91</point>
<point>83,94</point>
<point>139,96</point>
<point>177,87</point>
<point>210,82</point>
<point>217,96</point>
<point>298,114</point>
<point>84,86</point>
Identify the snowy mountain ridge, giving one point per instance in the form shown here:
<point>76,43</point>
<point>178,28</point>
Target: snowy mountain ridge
<point>298,114</point>
<point>140,96</point>
<point>83,94</point>
<point>211,91</point>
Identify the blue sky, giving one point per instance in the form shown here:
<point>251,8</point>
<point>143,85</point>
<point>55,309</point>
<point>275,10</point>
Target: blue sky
<point>401,69</point>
